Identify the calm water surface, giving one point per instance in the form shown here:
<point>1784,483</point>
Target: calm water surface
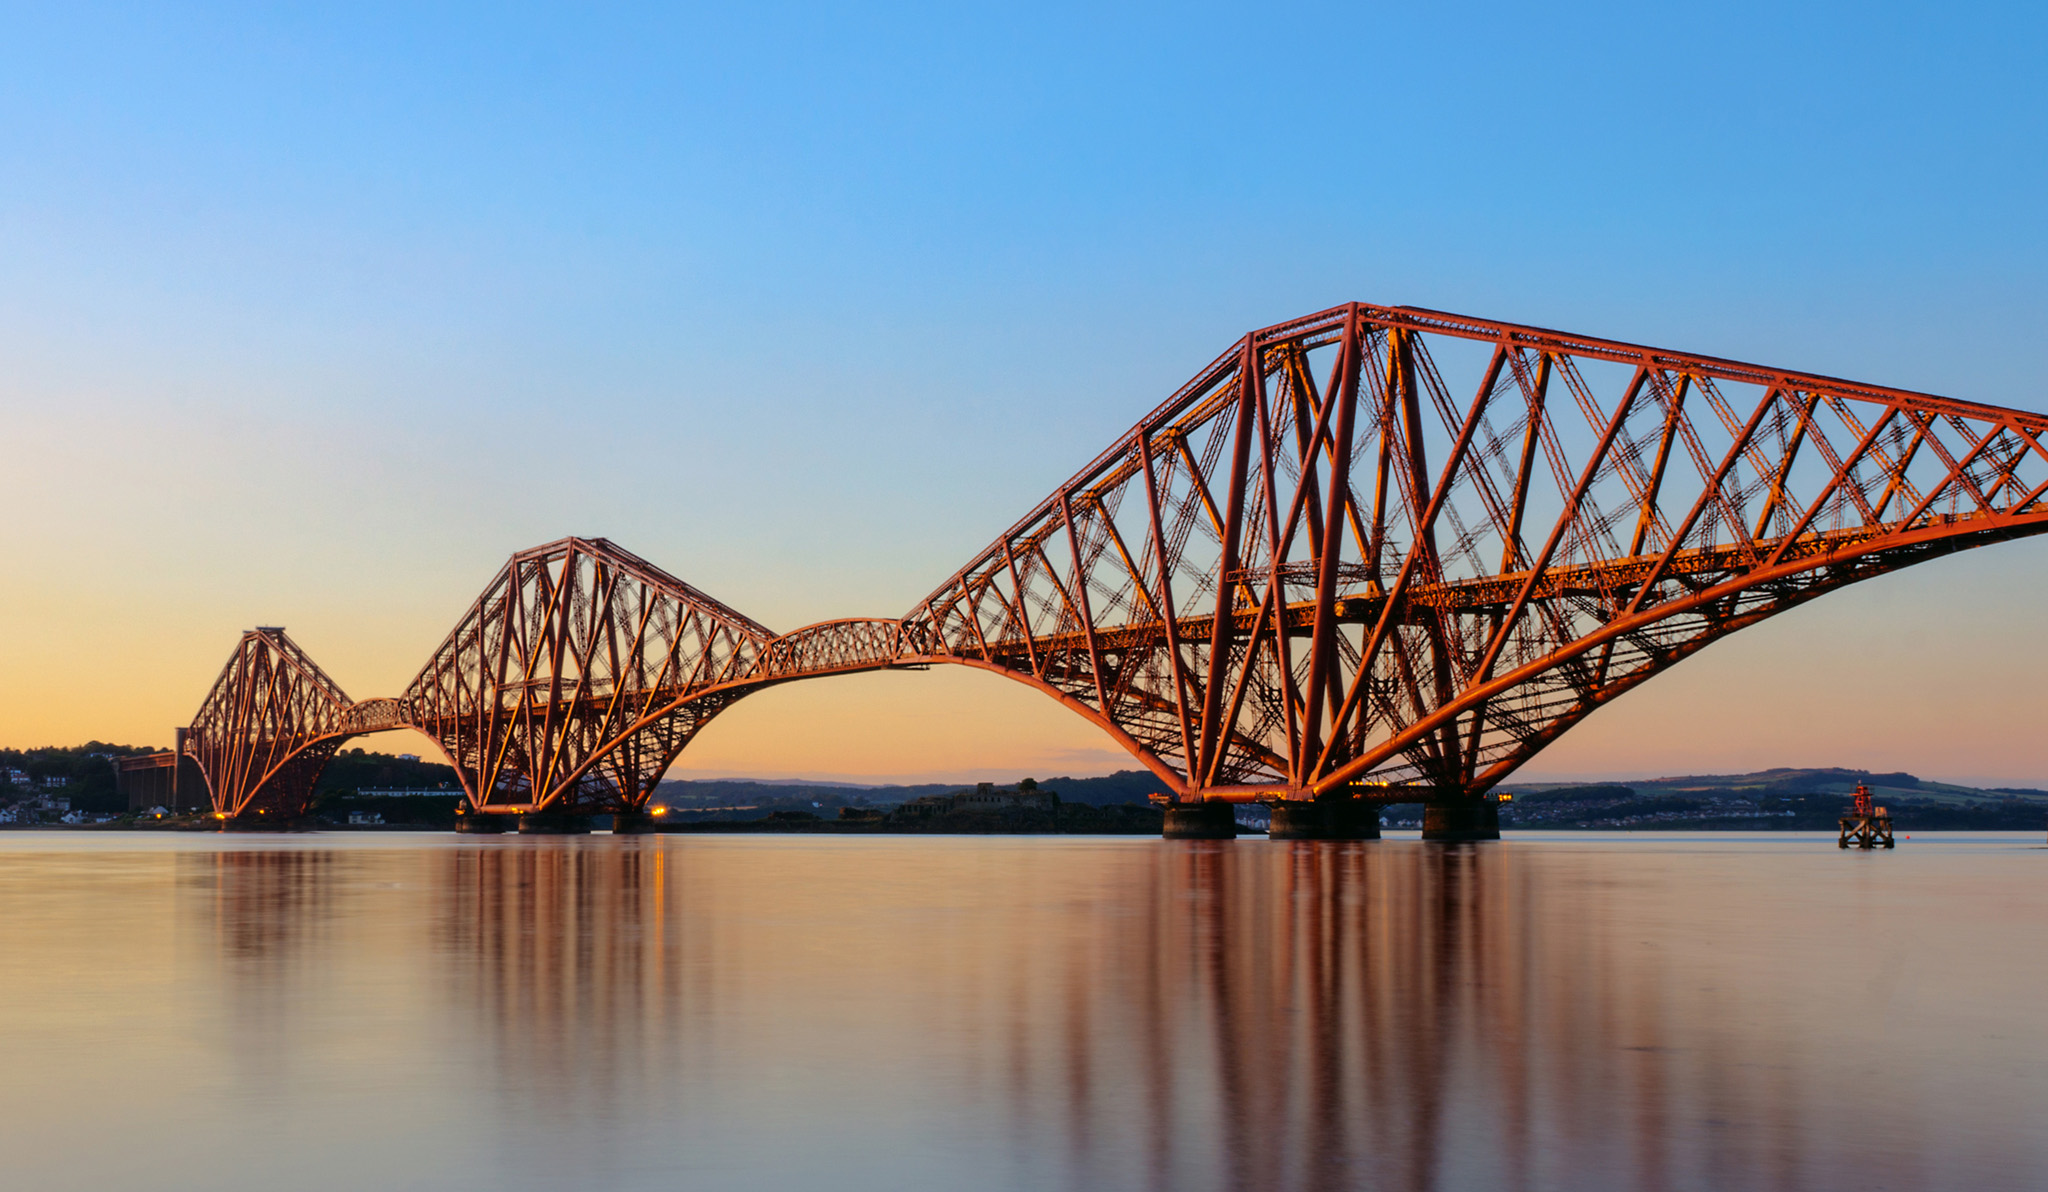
<point>1571,1012</point>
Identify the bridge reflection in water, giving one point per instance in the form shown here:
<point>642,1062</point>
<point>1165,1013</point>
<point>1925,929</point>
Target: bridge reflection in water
<point>989,1013</point>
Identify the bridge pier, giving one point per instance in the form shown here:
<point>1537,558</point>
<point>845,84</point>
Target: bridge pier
<point>635,822</point>
<point>482,823</point>
<point>553,823</point>
<point>1210,820</point>
<point>1324,819</point>
<point>264,822</point>
<point>1461,819</point>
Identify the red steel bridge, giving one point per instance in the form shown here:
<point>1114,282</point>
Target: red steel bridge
<point>1372,555</point>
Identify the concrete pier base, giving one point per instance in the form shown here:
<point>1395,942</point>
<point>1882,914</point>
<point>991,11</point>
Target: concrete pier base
<point>1200,821</point>
<point>484,824</point>
<point>1464,819</point>
<point>553,823</point>
<point>270,823</point>
<point>632,823</point>
<point>1325,819</point>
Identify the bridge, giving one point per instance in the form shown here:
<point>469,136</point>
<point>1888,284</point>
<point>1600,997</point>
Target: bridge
<point>1373,555</point>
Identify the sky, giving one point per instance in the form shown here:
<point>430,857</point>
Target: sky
<point>311,315</point>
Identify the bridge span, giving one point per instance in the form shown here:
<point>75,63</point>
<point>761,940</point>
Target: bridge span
<point>1372,555</point>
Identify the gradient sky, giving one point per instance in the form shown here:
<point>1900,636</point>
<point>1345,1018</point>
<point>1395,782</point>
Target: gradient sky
<point>312,316</point>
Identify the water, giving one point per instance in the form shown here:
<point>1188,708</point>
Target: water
<point>1572,1012</point>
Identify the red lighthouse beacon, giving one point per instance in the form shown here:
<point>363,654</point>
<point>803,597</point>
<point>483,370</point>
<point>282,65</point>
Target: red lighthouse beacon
<point>1867,826</point>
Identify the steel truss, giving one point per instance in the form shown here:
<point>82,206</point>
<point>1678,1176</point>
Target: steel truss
<point>1393,553</point>
<point>268,727</point>
<point>1377,552</point>
<point>583,670</point>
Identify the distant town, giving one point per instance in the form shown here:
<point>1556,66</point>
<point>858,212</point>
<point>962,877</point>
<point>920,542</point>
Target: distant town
<point>78,787</point>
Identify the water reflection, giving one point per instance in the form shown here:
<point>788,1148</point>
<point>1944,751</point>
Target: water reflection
<point>264,904</point>
<point>1131,1014</point>
<point>272,915</point>
<point>563,958</point>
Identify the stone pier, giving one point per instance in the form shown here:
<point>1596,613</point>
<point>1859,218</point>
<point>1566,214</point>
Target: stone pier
<point>1325,819</point>
<point>1213,820</point>
<point>553,823</point>
<point>632,823</point>
<point>1461,819</point>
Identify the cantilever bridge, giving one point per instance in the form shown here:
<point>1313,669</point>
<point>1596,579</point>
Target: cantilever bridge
<point>1373,555</point>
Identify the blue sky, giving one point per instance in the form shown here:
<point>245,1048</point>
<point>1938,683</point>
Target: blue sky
<point>314,314</point>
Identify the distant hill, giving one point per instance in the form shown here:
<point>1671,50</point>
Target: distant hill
<point>742,799</point>
<point>1777,798</point>
<point>1124,786</point>
<point>1780,798</point>
<point>739,793</point>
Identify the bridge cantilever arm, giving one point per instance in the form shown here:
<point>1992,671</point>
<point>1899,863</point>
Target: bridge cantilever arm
<point>1623,625</point>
